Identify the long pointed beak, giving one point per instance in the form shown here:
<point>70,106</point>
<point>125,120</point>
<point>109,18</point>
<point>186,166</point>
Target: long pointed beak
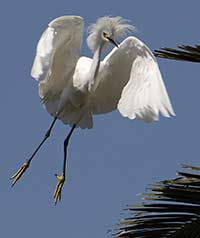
<point>113,42</point>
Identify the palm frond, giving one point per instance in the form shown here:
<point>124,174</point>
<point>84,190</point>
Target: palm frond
<point>184,53</point>
<point>174,210</point>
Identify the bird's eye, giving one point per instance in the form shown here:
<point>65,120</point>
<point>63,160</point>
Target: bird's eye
<point>105,35</point>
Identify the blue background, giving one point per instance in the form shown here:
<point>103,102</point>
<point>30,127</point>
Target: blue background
<point>110,164</point>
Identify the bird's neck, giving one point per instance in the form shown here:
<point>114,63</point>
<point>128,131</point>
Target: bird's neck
<point>93,72</point>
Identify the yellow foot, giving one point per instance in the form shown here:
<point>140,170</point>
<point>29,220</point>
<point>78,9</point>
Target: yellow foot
<point>20,172</point>
<point>58,190</point>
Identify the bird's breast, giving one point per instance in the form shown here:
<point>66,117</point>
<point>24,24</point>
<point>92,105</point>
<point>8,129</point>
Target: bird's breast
<point>81,74</point>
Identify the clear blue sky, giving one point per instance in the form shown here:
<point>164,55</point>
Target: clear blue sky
<point>110,164</point>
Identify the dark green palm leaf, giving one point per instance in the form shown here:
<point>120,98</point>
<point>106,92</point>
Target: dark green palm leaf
<point>174,210</point>
<point>184,53</point>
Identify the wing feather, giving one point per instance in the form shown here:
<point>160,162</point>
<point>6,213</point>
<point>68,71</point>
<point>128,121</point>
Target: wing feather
<point>57,53</point>
<point>130,80</point>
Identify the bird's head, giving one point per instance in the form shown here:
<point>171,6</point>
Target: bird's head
<point>106,31</point>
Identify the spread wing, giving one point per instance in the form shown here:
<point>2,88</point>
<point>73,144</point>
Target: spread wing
<point>130,80</point>
<point>57,53</point>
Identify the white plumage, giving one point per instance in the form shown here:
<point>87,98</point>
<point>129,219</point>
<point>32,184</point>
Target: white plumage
<point>73,88</point>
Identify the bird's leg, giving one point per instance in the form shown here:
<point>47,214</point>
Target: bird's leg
<point>25,166</point>
<point>61,178</point>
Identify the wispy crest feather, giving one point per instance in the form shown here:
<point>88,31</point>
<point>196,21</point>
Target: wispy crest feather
<point>117,26</point>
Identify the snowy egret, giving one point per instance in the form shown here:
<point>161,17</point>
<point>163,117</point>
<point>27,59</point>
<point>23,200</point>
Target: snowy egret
<point>73,88</point>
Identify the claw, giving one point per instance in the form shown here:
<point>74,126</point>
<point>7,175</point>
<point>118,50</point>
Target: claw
<point>58,189</point>
<point>20,172</point>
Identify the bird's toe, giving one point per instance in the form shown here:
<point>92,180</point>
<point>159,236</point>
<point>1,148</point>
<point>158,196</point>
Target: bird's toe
<point>58,189</point>
<point>20,172</point>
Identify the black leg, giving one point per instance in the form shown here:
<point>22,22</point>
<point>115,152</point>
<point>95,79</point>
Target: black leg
<point>24,167</point>
<point>66,142</point>
<point>46,136</point>
<point>61,179</point>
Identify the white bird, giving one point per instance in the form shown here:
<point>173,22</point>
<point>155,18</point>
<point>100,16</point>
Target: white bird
<point>74,88</point>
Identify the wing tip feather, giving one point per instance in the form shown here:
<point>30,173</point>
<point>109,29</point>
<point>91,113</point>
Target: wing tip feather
<point>61,20</point>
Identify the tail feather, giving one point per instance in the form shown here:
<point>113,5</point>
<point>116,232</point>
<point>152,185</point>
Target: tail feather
<point>72,115</point>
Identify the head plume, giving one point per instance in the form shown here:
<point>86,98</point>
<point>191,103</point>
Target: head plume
<point>115,26</point>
